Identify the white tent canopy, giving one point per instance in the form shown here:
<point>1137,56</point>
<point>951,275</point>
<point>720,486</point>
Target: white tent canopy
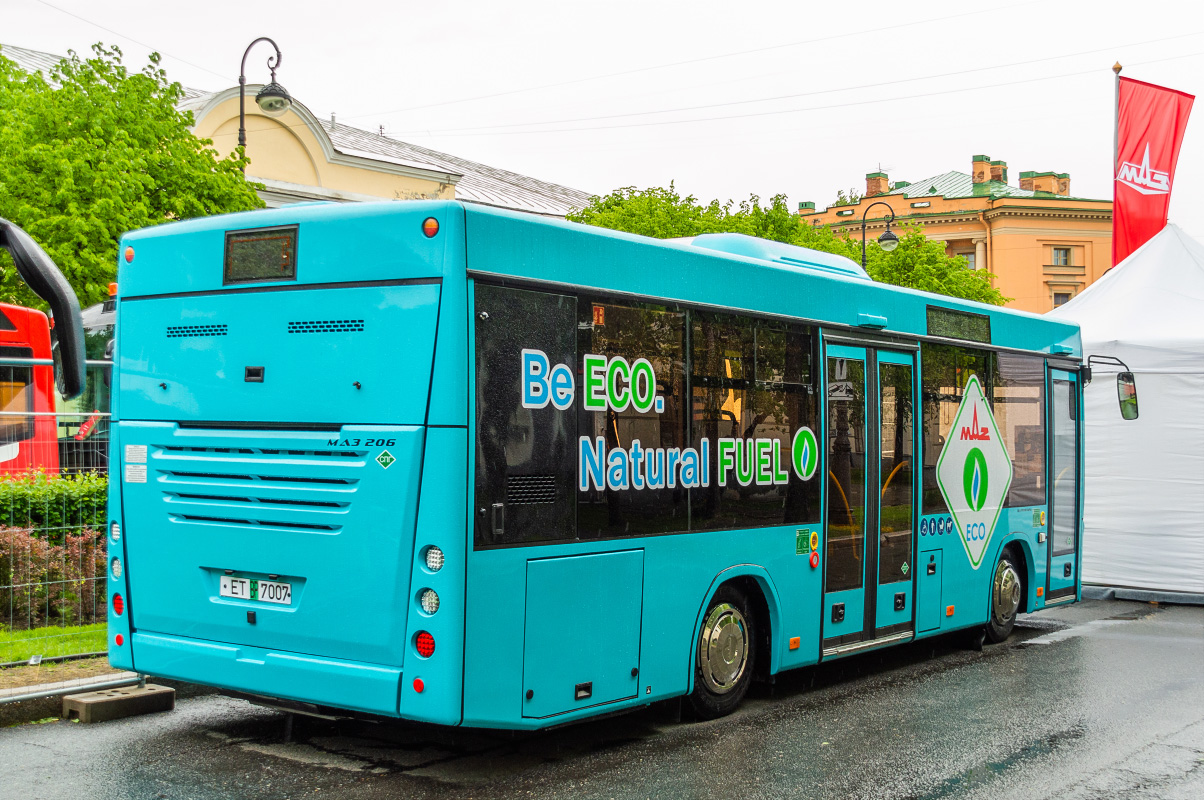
<point>1144,487</point>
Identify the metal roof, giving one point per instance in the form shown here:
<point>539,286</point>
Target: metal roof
<point>479,183</point>
<point>961,184</point>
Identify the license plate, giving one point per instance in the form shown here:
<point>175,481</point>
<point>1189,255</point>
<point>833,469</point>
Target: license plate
<point>252,589</point>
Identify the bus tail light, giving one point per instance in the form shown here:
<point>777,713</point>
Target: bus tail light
<point>425,644</point>
<point>434,558</point>
<point>430,226</point>
<point>419,685</point>
<point>118,605</point>
<point>119,639</point>
<point>429,601</point>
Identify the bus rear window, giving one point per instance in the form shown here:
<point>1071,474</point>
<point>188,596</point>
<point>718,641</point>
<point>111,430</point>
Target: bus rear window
<point>263,254</point>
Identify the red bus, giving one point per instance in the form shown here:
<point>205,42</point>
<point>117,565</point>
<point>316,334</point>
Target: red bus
<point>28,428</point>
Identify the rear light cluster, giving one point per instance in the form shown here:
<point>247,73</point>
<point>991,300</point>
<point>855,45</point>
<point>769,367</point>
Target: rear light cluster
<point>115,532</point>
<point>428,600</point>
<point>117,568</point>
<point>118,605</point>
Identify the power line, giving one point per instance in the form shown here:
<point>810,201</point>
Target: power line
<point>687,62</point>
<point>129,39</point>
<point>807,94</point>
<point>780,112</point>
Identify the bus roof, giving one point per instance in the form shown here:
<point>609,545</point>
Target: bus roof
<point>717,270</point>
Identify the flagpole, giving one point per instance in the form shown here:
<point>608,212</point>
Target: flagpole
<point>1116,68</point>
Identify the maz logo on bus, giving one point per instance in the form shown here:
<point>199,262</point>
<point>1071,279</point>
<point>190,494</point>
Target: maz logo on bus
<point>616,384</point>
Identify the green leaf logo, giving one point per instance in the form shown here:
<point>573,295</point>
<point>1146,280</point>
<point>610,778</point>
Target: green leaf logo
<point>974,479</point>
<point>806,453</point>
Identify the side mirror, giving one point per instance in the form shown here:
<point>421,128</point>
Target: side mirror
<point>40,273</point>
<point>1126,391</point>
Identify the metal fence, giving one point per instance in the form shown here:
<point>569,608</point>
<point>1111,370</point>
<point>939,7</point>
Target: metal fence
<point>53,486</point>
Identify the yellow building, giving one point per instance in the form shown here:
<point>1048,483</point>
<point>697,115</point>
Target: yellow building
<point>298,157</point>
<point>1043,245</point>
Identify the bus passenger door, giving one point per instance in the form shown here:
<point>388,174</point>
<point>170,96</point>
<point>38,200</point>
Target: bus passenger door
<point>868,564</point>
<point>1064,479</point>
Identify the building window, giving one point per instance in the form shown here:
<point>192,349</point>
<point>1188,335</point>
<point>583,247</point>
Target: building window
<point>1061,298</point>
<point>970,260</point>
<point>1061,257</point>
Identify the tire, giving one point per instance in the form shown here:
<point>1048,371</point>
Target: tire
<point>1007,587</point>
<point>724,655</point>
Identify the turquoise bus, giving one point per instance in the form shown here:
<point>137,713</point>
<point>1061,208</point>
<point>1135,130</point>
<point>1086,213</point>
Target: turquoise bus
<point>447,463</point>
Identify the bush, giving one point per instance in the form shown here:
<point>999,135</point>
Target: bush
<point>50,507</point>
<point>51,584</point>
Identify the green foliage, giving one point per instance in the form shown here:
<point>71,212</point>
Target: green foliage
<point>49,506</point>
<point>916,263</point>
<point>850,199</point>
<point>92,151</point>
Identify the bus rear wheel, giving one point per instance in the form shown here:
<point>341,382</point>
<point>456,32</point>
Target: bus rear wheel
<point>1006,588</point>
<point>723,657</point>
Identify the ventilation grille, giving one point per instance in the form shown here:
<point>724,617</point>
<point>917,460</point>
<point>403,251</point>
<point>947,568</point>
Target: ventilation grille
<point>189,331</point>
<point>327,326</point>
<point>527,490</point>
<point>267,487</point>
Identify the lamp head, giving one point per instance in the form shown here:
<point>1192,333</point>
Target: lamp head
<point>273,100</point>
<point>888,241</point>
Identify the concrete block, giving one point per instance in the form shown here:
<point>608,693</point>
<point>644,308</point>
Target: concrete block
<point>127,701</point>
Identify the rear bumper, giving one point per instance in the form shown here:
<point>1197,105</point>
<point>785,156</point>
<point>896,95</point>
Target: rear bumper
<point>313,679</point>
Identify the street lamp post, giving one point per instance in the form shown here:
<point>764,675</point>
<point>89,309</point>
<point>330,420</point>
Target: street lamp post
<point>887,241</point>
<point>272,99</point>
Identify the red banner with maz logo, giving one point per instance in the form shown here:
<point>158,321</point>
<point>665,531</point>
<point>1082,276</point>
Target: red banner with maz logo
<point>1150,123</point>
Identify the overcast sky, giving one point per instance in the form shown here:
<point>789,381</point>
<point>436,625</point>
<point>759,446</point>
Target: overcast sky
<point>726,99</point>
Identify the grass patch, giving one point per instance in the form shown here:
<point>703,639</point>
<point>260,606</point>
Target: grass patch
<point>53,641</point>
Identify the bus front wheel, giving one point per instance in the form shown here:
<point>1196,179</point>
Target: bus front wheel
<point>723,657</point>
<point>1005,598</point>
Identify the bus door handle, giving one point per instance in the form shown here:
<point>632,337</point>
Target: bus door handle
<point>498,519</point>
<point>932,569</point>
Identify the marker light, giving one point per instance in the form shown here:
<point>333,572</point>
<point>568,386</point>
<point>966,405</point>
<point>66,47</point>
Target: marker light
<point>115,532</point>
<point>430,226</point>
<point>116,567</point>
<point>118,605</point>
<point>112,290</point>
<point>129,255</point>
<point>425,644</point>
<point>419,685</point>
<point>430,601</point>
<point>119,639</point>
<point>434,559</point>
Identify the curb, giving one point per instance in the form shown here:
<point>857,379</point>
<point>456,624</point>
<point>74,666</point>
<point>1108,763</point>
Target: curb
<point>1142,595</point>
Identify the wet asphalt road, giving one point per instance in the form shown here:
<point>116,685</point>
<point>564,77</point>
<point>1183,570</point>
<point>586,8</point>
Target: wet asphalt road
<point>1100,700</point>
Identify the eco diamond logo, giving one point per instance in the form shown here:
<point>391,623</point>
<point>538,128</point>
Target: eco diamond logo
<point>385,459</point>
<point>974,472</point>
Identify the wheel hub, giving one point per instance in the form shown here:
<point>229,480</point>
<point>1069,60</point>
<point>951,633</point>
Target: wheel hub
<point>1006,594</point>
<point>723,654</point>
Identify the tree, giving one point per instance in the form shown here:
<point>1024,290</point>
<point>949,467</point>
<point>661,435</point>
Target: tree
<point>850,199</point>
<point>91,151</point>
<point>663,213</point>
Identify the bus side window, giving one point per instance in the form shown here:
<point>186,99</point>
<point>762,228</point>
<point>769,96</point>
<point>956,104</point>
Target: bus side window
<point>525,449</point>
<point>16,396</point>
